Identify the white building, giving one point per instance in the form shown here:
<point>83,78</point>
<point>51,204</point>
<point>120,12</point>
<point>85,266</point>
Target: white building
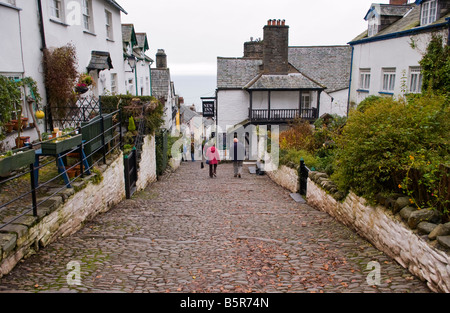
<point>92,26</point>
<point>274,83</point>
<point>386,56</point>
<point>136,62</point>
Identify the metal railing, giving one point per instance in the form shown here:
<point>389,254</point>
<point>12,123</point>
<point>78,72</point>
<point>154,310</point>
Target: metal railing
<point>281,115</point>
<point>29,202</point>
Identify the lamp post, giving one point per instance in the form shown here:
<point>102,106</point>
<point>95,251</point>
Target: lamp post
<point>132,62</point>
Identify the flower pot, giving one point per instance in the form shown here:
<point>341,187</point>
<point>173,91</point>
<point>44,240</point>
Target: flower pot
<point>9,127</point>
<point>24,122</point>
<point>81,89</point>
<point>20,142</point>
<point>15,124</point>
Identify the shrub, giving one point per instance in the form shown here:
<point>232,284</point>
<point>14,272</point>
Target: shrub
<point>291,158</point>
<point>377,147</point>
<point>300,135</point>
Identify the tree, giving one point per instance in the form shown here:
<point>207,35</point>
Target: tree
<point>436,67</point>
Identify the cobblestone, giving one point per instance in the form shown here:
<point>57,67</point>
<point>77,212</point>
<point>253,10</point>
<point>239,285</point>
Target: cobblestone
<point>190,233</point>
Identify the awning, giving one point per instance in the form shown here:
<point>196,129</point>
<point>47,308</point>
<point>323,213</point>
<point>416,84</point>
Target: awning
<point>100,60</point>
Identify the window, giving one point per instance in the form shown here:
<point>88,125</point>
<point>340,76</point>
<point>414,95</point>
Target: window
<point>87,18</point>
<point>56,9</point>
<point>364,79</point>
<point>109,33</point>
<point>388,80</point>
<point>113,83</point>
<point>428,14</point>
<point>415,80</point>
<point>306,100</point>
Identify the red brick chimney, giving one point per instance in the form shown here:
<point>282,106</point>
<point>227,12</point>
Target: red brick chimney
<point>398,2</point>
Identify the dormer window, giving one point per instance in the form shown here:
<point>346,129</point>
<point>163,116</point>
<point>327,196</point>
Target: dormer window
<point>428,12</point>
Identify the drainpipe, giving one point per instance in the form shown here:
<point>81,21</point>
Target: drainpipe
<point>48,116</point>
<point>350,81</point>
<point>135,77</point>
<point>448,36</point>
<point>150,78</point>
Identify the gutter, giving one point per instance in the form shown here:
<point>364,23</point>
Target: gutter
<point>401,33</point>
<point>350,81</point>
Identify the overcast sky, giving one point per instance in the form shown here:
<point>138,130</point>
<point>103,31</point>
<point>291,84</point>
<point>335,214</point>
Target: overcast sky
<point>195,32</point>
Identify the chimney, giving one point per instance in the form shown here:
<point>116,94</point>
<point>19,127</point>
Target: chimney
<point>398,2</point>
<point>275,47</point>
<point>253,49</point>
<point>161,59</point>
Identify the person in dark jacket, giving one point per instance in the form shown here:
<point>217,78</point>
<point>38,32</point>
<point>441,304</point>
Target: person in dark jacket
<point>238,153</point>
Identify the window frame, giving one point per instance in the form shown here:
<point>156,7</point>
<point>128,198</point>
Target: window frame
<point>57,10</point>
<point>428,12</point>
<point>364,79</point>
<point>388,78</point>
<point>109,25</point>
<point>86,13</point>
<point>415,79</point>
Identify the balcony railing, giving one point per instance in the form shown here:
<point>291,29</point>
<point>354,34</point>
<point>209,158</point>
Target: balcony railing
<point>282,115</point>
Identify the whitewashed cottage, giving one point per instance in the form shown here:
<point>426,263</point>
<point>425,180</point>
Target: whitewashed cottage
<point>274,83</point>
<point>386,56</point>
<point>136,63</point>
<point>92,26</point>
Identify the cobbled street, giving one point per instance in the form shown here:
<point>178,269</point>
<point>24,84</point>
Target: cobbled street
<point>190,233</point>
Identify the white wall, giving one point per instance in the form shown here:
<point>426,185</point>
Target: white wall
<point>392,53</point>
<point>72,31</point>
<point>334,103</point>
<point>232,107</point>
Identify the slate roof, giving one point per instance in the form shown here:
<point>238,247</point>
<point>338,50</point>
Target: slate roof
<point>235,73</point>
<point>388,9</point>
<point>410,22</point>
<point>128,34</point>
<point>116,5</point>
<point>282,82</point>
<point>315,67</point>
<point>100,60</point>
<point>327,65</point>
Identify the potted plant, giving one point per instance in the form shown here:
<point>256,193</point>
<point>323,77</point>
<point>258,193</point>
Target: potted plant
<point>61,144</point>
<point>15,159</point>
<point>84,82</point>
<point>10,97</point>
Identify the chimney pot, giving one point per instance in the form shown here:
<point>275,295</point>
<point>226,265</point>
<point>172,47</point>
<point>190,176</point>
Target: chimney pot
<point>278,22</point>
<point>283,22</point>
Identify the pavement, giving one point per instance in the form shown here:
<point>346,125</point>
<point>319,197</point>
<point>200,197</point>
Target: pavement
<point>191,233</point>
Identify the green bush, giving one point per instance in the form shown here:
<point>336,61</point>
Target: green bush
<point>378,146</point>
<point>291,158</point>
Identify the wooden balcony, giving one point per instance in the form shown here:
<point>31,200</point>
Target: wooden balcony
<point>273,116</point>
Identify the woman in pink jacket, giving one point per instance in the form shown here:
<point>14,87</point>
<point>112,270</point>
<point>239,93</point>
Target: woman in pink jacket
<point>212,156</point>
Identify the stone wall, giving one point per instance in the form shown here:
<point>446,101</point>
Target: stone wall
<point>147,165</point>
<point>63,214</point>
<point>388,234</point>
<point>286,177</point>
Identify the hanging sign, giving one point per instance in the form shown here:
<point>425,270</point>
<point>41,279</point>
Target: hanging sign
<point>208,108</point>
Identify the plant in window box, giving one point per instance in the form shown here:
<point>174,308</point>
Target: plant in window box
<point>15,159</point>
<point>61,144</point>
